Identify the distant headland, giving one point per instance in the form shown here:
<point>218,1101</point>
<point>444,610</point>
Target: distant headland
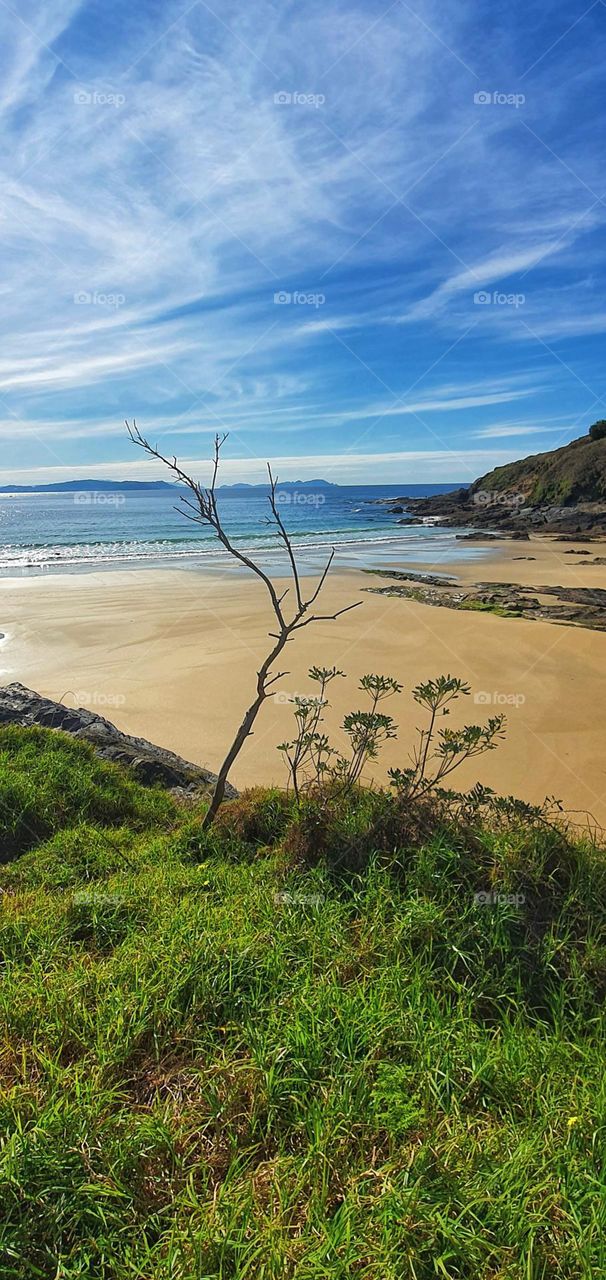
<point>87,486</point>
<point>153,486</point>
<point>283,484</point>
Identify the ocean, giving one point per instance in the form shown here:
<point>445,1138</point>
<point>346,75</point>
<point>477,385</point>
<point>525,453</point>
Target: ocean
<point>75,532</point>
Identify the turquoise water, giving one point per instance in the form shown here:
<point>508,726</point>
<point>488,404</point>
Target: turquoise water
<point>42,533</point>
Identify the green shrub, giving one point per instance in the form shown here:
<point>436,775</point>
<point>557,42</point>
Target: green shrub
<point>259,816</point>
<point>50,781</point>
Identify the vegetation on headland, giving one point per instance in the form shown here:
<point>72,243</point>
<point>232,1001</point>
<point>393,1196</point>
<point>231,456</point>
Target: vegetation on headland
<point>574,473</point>
<point>361,1035</point>
<point>563,490</point>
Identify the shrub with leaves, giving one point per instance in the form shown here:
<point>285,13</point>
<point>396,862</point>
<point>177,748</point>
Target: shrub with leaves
<point>309,753</point>
<point>440,751</point>
<point>313,761</point>
<point>311,758</point>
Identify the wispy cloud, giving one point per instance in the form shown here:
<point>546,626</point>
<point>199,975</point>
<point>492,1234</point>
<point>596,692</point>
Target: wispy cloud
<point>492,270</point>
<point>168,172</point>
<point>418,466</point>
<point>499,432</point>
<point>287,416</point>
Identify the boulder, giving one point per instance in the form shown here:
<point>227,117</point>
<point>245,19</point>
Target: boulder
<point>477,537</point>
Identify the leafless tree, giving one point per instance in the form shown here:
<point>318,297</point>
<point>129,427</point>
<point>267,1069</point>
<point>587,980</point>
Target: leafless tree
<point>202,509</point>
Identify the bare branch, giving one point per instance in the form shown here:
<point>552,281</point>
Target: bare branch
<point>326,617</point>
<point>272,680</point>
<point>207,508</point>
<point>203,504</point>
<point>318,589</point>
<point>285,538</point>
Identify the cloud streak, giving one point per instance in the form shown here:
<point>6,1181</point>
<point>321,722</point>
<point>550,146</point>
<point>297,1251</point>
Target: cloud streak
<point>178,169</point>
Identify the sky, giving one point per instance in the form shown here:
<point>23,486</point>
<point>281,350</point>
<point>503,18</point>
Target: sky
<point>365,239</point>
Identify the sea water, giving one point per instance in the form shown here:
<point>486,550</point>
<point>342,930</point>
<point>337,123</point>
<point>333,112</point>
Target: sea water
<point>46,533</point>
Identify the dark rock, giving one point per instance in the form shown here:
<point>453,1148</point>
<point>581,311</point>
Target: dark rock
<point>477,537</point>
<point>396,511</point>
<point>150,765</point>
<point>595,596</point>
<point>516,535</point>
<point>151,773</point>
<point>426,579</point>
<point>562,492</point>
<point>574,606</point>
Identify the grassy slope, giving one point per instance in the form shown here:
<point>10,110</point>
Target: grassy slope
<point>575,473</point>
<point>379,1079</point>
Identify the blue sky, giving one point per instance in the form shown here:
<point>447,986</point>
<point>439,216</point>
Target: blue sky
<point>366,239</point>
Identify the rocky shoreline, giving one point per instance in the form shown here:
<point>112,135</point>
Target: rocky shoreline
<point>573,606</point>
<point>561,492</point>
<point>463,509</point>
<point>149,764</point>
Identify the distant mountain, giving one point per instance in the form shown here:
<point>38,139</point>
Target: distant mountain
<point>107,486</point>
<point>87,486</point>
<point>282,484</point>
<point>563,490</point>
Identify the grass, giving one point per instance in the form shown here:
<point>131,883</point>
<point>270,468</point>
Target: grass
<point>484,606</point>
<point>49,781</point>
<point>234,1054</point>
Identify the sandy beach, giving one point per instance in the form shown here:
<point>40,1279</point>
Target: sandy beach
<point>171,655</point>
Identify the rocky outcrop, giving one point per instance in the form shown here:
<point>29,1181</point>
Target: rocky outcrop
<point>150,765</point>
<point>574,606</point>
<point>562,492</point>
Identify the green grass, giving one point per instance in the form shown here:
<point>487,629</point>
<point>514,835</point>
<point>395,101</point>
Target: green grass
<point>241,1055</point>
<point>484,606</point>
<point>49,781</point>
